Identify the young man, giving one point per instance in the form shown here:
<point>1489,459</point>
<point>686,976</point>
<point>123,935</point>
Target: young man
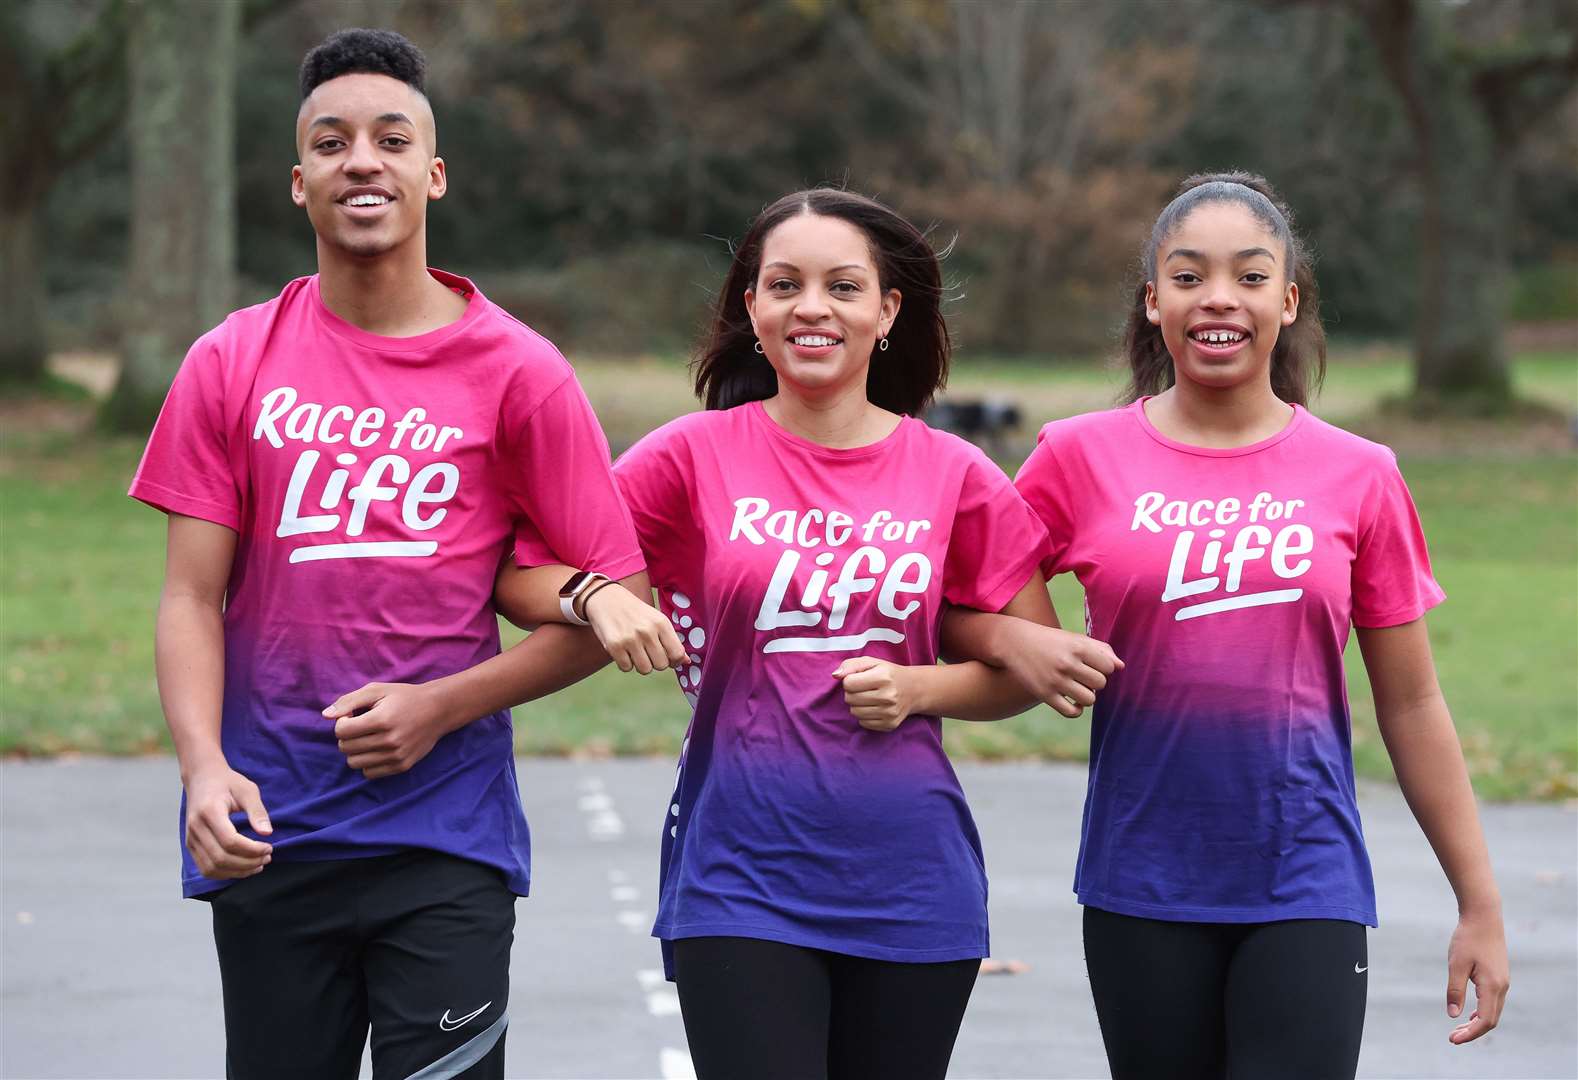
<point>343,468</point>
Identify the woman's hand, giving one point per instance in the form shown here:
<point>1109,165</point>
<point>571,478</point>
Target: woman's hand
<point>637,635</point>
<point>1478,954</point>
<point>879,694</point>
<point>1063,669</point>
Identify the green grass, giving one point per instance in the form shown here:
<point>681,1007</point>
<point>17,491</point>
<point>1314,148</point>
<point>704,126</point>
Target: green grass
<point>80,566</point>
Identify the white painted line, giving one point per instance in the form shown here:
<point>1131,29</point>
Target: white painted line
<point>617,876</point>
<point>591,783</point>
<point>624,894</point>
<point>663,1003</point>
<point>650,978</point>
<point>605,825</point>
<point>676,1064</point>
<point>595,801</point>
<point>634,920</point>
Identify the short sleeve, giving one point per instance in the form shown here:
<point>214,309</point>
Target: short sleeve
<point>186,467</point>
<point>653,479</point>
<point>557,464</point>
<point>996,542</point>
<point>1042,485</point>
<point>1392,580</point>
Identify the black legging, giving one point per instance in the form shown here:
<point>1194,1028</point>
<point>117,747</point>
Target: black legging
<point>764,1010</point>
<point>1245,1001</point>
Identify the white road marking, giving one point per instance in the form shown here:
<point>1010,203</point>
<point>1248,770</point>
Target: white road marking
<point>625,893</point>
<point>663,1003</point>
<point>634,920</point>
<point>676,1064</point>
<point>605,825</point>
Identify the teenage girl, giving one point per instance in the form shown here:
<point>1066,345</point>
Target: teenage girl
<point>1227,540</point>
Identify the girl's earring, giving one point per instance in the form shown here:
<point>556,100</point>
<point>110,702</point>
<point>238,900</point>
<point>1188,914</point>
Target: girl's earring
<point>883,344</point>
<point>759,349</point>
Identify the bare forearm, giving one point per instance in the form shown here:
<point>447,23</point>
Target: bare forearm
<point>189,657</point>
<point>1428,760</point>
<point>981,635</point>
<point>529,596</point>
<point>969,690</point>
<point>548,660</point>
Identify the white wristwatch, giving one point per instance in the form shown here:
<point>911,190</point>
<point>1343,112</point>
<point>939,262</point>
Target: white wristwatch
<point>573,590</point>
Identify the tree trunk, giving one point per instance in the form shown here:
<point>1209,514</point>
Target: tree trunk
<point>1460,351</point>
<point>23,346</point>
<point>183,249</point>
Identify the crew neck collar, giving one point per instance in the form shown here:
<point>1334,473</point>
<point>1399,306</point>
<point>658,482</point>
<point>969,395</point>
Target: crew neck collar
<point>1137,410</point>
<point>759,412</point>
<point>475,304</point>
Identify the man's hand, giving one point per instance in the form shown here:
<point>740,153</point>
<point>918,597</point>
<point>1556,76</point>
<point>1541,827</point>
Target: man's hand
<point>880,695</point>
<point>636,635</point>
<point>1063,669</point>
<point>221,852</point>
<point>385,728</point>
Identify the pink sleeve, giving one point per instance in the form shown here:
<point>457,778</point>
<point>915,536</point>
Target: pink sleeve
<point>1392,581</point>
<point>1041,483</point>
<point>653,476</point>
<point>186,468</point>
<point>996,542</point>
<point>564,488</point>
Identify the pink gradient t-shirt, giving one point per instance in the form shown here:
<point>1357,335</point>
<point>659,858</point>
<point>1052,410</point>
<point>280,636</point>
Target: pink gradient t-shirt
<point>1221,768</point>
<point>375,484</point>
<point>777,559</point>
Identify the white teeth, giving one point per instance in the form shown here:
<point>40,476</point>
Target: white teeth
<point>1219,337</point>
<point>814,341</point>
<point>366,200</point>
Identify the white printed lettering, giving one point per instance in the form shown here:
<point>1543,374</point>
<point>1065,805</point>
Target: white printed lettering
<point>418,495</point>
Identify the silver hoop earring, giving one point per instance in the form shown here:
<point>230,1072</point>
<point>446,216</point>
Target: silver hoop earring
<point>758,348</point>
<point>883,344</point>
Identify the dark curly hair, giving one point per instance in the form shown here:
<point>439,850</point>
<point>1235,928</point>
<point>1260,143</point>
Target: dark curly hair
<point>361,51</point>
<point>904,378</point>
<point>1298,361</point>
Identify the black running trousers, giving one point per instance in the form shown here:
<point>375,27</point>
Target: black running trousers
<point>764,1010</point>
<point>415,945</point>
<point>1228,1001</point>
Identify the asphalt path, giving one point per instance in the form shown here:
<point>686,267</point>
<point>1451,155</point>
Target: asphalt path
<point>108,973</point>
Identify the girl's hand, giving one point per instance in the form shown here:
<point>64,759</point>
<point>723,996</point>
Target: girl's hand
<point>879,694</point>
<point>637,635</point>
<point>1063,669</point>
<point>1478,954</point>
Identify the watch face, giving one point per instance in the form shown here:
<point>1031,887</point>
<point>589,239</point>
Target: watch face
<point>574,583</point>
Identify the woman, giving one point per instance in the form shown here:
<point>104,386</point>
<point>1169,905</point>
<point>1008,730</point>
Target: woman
<point>1227,539</point>
<point>823,892</point>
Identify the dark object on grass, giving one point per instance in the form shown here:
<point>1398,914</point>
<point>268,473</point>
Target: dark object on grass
<point>984,422</point>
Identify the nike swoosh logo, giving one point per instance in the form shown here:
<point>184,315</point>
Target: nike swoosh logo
<point>447,1024</point>
<point>1357,970</point>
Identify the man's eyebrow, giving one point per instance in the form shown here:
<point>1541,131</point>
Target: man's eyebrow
<point>386,118</point>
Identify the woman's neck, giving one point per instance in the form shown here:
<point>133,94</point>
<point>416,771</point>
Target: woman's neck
<point>841,420</point>
<point>1218,418</point>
